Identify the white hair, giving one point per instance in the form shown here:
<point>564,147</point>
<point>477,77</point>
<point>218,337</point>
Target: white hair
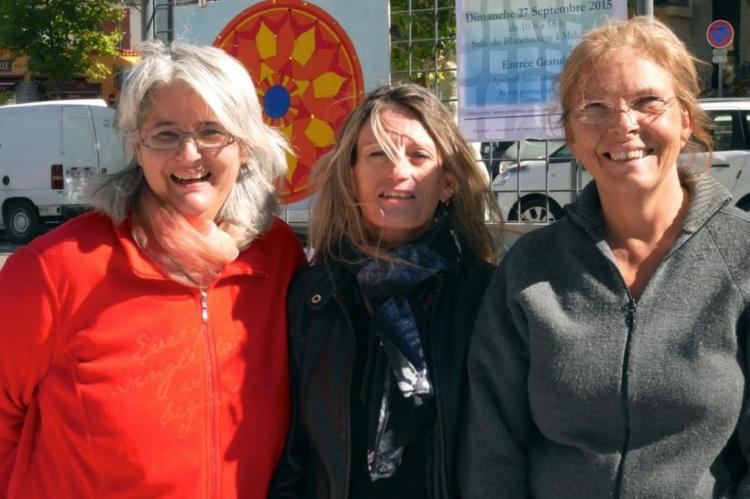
<point>224,84</point>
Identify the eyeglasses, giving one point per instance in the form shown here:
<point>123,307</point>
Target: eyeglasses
<point>599,112</point>
<point>207,137</point>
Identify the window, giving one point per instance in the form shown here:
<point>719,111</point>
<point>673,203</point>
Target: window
<point>562,154</point>
<point>722,131</point>
<point>727,130</point>
<point>746,129</point>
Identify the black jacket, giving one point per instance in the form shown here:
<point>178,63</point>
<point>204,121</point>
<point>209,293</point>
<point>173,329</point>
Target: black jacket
<point>316,462</point>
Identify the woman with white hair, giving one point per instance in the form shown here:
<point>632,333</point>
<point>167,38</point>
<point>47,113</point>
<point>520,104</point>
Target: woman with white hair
<point>144,347</point>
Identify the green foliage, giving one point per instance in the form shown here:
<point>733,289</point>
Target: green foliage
<point>60,36</point>
<point>431,27</point>
<point>6,96</point>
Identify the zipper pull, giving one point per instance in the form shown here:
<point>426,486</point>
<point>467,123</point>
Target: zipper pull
<point>632,305</point>
<point>204,305</point>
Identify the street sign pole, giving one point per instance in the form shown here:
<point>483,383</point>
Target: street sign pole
<point>720,35</point>
<point>719,57</point>
<point>644,8</point>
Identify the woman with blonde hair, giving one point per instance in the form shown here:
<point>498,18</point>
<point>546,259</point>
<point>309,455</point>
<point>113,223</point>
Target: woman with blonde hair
<point>379,326</point>
<point>611,353</point>
<point>144,348</point>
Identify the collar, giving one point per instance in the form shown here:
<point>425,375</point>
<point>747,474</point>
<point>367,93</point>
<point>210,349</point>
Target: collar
<point>250,261</point>
<point>707,196</point>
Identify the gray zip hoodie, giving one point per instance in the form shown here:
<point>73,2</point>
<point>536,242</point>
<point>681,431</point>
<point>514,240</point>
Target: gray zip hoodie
<point>578,390</point>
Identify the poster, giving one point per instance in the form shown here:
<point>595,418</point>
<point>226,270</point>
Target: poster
<point>307,75</point>
<point>509,54</point>
<point>311,62</point>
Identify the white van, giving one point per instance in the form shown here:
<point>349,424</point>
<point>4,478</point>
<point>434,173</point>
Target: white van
<point>50,152</point>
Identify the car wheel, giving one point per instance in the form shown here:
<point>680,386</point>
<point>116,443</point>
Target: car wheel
<point>21,221</point>
<point>536,209</point>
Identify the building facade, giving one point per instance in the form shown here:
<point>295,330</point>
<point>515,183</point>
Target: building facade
<point>690,20</point>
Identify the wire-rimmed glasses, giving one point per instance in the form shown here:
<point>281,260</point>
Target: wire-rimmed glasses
<point>599,112</point>
<point>168,139</point>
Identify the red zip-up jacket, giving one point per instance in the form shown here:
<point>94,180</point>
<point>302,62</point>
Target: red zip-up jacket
<point>116,381</point>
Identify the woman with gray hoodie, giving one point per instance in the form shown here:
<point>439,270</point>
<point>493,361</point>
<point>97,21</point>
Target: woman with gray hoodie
<point>615,365</point>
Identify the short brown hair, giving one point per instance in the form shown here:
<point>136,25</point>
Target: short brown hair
<point>652,40</point>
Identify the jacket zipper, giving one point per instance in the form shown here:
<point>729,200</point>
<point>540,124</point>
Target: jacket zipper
<point>630,319</point>
<point>211,398</point>
<point>630,322</point>
<point>440,479</point>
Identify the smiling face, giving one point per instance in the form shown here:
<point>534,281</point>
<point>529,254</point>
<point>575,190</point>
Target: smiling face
<point>398,199</point>
<point>630,152</point>
<point>195,183</point>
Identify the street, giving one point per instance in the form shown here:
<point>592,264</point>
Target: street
<point>6,249</point>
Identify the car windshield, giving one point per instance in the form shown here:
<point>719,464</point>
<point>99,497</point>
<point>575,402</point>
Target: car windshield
<point>531,149</point>
<point>563,152</point>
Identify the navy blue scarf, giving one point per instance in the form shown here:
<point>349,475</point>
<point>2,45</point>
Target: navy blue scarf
<point>397,386</point>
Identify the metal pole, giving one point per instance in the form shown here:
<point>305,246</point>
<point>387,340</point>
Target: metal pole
<point>644,8</point>
<point>145,18</point>
<point>720,77</point>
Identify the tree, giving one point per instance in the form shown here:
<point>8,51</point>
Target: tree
<point>61,37</point>
<point>423,45</point>
<point>423,40</point>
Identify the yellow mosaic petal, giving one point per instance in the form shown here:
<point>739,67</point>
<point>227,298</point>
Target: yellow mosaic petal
<point>265,72</point>
<point>327,84</point>
<point>319,133</point>
<point>287,131</point>
<point>304,46</point>
<point>265,40</point>
<point>302,86</point>
<point>291,166</point>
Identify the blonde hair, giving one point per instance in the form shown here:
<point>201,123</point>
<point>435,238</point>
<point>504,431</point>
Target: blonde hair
<point>336,212</point>
<point>652,40</point>
<point>226,87</point>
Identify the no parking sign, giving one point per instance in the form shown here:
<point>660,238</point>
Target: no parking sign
<point>720,34</point>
